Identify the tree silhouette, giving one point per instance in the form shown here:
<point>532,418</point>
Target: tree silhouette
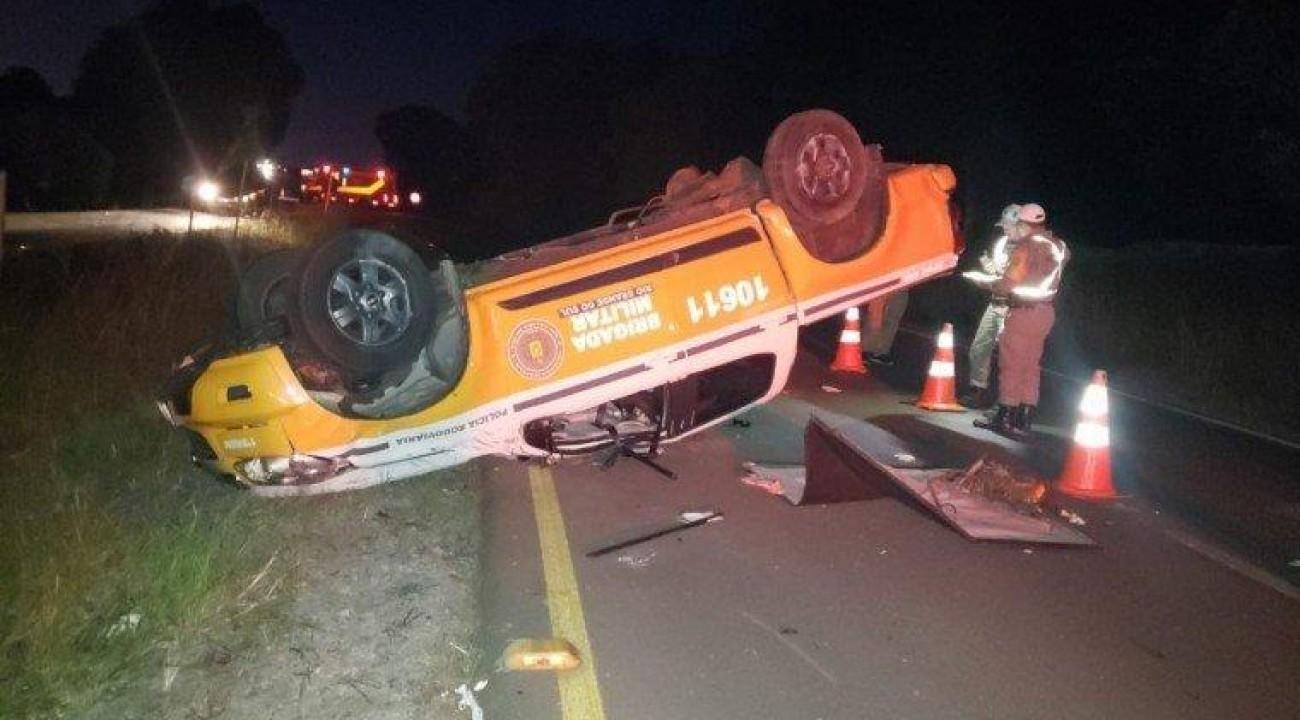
<point>431,153</point>
<point>539,116</point>
<point>53,163</point>
<point>184,88</point>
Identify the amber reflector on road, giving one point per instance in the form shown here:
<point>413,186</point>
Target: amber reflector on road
<point>541,654</point>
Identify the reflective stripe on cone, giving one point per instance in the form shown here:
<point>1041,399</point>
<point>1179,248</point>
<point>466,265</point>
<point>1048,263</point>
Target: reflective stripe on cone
<point>1087,468</point>
<point>848,357</point>
<point>940,391</point>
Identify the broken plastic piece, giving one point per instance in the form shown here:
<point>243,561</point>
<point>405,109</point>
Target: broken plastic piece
<point>541,654</point>
<point>1073,517</point>
<point>467,701</point>
<point>767,485</point>
<point>787,481</point>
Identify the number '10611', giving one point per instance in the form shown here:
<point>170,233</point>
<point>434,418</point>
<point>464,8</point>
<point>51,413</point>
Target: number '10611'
<point>727,299</point>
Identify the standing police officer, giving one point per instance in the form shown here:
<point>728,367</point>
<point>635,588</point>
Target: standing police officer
<point>993,264</point>
<point>1030,283</point>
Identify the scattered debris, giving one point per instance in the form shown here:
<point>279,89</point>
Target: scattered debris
<point>480,685</point>
<point>905,458</point>
<point>831,389</point>
<point>684,521</point>
<point>785,480</point>
<point>770,486</point>
<point>540,654</point>
<point>1073,517</point>
<point>127,623</point>
<point>637,562</point>
<point>996,481</point>
<point>741,422</point>
<point>1028,551</point>
<point>467,701</point>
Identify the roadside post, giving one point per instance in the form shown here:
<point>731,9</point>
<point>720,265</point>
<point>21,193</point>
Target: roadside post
<point>188,190</point>
<point>239,199</point>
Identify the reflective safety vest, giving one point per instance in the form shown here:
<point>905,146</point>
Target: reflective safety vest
<point>994,263</point>
<point>1000,254</point>
<point>1034,274</point>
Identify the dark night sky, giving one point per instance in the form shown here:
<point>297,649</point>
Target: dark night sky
<point>1155,120</point>
<point>362,57</point>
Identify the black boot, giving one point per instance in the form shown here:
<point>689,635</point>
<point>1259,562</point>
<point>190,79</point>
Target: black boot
<point>999,421</point>
<point>1022,419</point>
<point>977,398</point>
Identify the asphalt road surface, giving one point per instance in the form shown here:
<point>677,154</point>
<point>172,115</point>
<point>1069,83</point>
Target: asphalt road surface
<point>875,609</point>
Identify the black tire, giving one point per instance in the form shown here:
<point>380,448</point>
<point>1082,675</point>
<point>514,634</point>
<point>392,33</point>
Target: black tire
<point>365,301</point>
<point>266,287</point>
<point>830,185</point>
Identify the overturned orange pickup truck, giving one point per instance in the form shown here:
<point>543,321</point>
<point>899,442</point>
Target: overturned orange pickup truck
<point>362,362</point>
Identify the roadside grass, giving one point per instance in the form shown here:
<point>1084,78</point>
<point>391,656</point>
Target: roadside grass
<point>113,547</point>
<point>124,571</point>
<point>1207,328</point>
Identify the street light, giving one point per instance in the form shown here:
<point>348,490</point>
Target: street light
<point>207,191</point>
<point>266,168</point>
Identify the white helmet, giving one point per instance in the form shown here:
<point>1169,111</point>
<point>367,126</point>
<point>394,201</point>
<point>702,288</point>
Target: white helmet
<point>1010,214</point>
<point>1032,213</point>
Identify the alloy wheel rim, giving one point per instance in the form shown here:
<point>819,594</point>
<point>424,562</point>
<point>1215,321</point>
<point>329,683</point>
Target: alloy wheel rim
<point>369,302</point>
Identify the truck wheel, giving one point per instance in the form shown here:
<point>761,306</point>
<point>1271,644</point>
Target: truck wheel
<point>265,287</point>
<point>830,185</point>
<point>365,301</point>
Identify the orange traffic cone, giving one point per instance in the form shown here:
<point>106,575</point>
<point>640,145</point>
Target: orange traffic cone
<point>849,356</point>
<point>940,391</point>
<point>1087,469</point>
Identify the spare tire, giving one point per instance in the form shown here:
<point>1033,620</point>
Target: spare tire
<point>365,301</point>
<point>829,184</point>
<point>265,287</point>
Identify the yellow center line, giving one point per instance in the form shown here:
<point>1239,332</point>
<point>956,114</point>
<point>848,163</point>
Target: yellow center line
<point>579,692</point>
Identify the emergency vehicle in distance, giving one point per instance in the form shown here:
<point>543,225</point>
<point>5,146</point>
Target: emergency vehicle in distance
<point>360,361</point>
<point>329,183</point>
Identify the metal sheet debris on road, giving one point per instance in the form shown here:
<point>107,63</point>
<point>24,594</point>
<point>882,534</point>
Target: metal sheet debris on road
<point>846,455</point>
